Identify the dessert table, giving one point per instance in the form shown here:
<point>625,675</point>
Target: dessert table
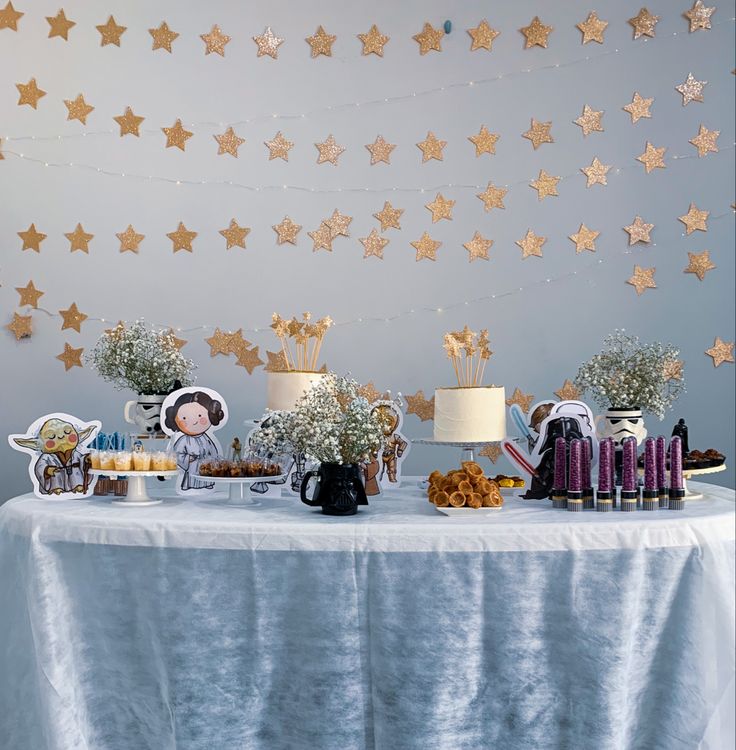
<point>196,625</point>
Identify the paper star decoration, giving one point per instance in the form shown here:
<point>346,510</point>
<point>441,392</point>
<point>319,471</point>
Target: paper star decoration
<point>699,16</point>
<point>329,150</point>
<point>373,244</point>
<point>235,234</point>
<point>321,238</point>
<point>29,93</point>
<point>705,141</point>
<point>545,185</point>
<point>338,224</point>
<point>287,231</point>
<point>110,33</point>
<point>380,150</point>
<point>721,351</point>
<point>441,208</point>
<point>421,406</point>
<point>249,359</point>
<point>370,393</point>
<point>32,239</point>
<point>29,295</point>
<point>639,107</point>
<point>524,400</point>
<point>182,238</point>
<point>60,25</point>
<point>321,43</point>
<point>643,23</point>
<point>596,173</point>
<point>643,278</point>
<point>373,42</point>
<point>72,318</point>
<point>78,109</point>
<point>279,147</point>
<point>482,36</point>
<point>700,264</point>
<point>429,39</point>
<point>21,326</point>
<point>695,219</point>
<point>539,133</point>
<point>163,37</point>
<point>426,247</point>
<point>492,197</point>
<point>222,343</point>
<point>491,451</point>
<point>478,247</point>
<point>590,120</point>
<point>584,239</point>
<point>129,123</point>
<point>639,231</point>
<point>536,33</point>
<point>593,28</point>
<point>484,142</point>
<point>215,41</point>
<point>531,245</point>
<point>9,17</point>
<point>229,143</point>
<point>691,90</point>
<point>177,136</point>
<point>276,362</point>
<point>652,158</point>
<point>431,147</point>
<point>79,239</point>
<point>568,392</point>
<point>178,343</point>
<point>389,217</point>
<point>672,369</point>
<point>71,357</point>
<point>268,43</point>
<point>130,239</point>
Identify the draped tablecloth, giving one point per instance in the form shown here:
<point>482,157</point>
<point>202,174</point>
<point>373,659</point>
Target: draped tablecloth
<point>196,626</point>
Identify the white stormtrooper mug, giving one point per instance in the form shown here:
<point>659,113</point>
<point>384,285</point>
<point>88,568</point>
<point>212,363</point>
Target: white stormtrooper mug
<point>145,413</point>
<point>621,423</point>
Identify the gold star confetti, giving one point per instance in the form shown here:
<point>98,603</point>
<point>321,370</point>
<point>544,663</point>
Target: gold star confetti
<point>590,120</point>
<point>163,37</point>
<point>268,43</point>
<point>321,43</point>
<point>672,369</point>
<point>545,185</point>
<point>484,142</point>
<point>235,234</point>
<point>596,173</point>
<point>478,247</point>
<point>276,362</point>
<point>72,318</point>
<point>279,147</point>
<point>699,16</point>
<point>691,90</point>
<point>380,150</point>
<point>373,42</point>
<point>441,208</point>
<point>71,357</point>
<point>177,136</point>
<point>9,17</point>
<point>338,224</point>
<point>531,245</point>
<point>492,197</point>
<point>29,295</point>
<point>219,343</point>
<point>322,238</point>
<point>429,39</point>
<point>215,41</point>
<point>78,109</point>
<point>524,400</point>
<point>700,264</point>
<point>129,123</point>
<point>643,23</point>
<point>110,33</point>
<point>249,359</point>
<point>182,238</point>
<point>130,239</point>
<point>329,150</point>
<point>29,93</point>
<point>287,231</point>
<point>695,219</point>
<point>79,239</point>
<point>21,326</point>
<point>721,351</point>
<point>652,158</point>
<point>482,36</point>
<point>584,239</point>
<point>568,392</point>
<point>642,279</point>
<point>639,231</point>
<point>426,247</point>
<point>536,33</point>
<point>32,239</point>
<point>389,217</point>
<point>705,141</point>
<point>593,28</point>
<point>492,452</point>
<point>60,25</point>
<point>421,406</point>
<point>539,133</point>
<point>639,107</point>
<point>431,147</point>
<point>229,143</point>
<point>373,244</point>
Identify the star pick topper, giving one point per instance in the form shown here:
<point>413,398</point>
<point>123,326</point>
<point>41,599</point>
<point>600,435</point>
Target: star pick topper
<point>468,353</point>
<point>307,338</point>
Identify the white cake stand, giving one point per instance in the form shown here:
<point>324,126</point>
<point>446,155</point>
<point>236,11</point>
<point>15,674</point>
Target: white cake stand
<point>690,473</point>
<point>137,492</point>
<point>467,449</point>
<point>239,493</point>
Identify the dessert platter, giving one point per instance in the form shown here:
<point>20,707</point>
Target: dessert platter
<point>464,492</point>
<point>239,476</point>
<point>134,466</point>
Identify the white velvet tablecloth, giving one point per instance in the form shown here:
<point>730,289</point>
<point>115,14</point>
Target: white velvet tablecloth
<point>197,626</point>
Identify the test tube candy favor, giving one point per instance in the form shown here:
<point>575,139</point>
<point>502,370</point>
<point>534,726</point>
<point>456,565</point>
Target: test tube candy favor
<point>677,488</point>
<point>650,495</point>
<point>663,491</point>
<point>585,459</point>
<point>559,487</point>
<point>575,482</point>
<point>629,485</point>
<point>604,502</point>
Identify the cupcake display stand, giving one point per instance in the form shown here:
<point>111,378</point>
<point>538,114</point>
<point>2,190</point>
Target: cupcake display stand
<point>690,473</point>
<point>137,492</point>
<point>239,493</point>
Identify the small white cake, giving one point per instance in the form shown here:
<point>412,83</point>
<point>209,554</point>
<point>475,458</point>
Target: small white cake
<point>470,414</point>
<point>284,387</point>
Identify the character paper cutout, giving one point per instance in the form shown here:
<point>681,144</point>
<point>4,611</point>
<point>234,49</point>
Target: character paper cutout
<point>59,444</point>
<point>384,470</point>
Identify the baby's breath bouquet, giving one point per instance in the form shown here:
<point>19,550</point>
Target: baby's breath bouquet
<point>142,358</point>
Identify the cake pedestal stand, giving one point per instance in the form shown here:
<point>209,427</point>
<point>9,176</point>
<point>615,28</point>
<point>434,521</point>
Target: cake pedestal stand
<point>137,492</point>
<point>690,473</point>
<point>239,493</point>
<point>467,449</point>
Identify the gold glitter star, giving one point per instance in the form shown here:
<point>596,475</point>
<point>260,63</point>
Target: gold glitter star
<point>9,17</point>
<point>705,141</point>
<point>60,25</point>
<point>268,43</point>
<point>215,41</point>
<point>29,93</point>
<point>249,359</point>
<point>389,216</point>
<point>21,326</point>
<point>110,33</point>
<point>478,247</point>
<point>672,369</point>
<point>539,133</point>
<point>29,295</point>
<point>71,357</point>
<point>545,185</point>
<point>699,16</point>
<point>178,343</point>
<point>593,28</point>
<point>596,173</point>
<point>276,362</point>
<point>568,392</point>
<point>129,123</point>
<point>639,231</point>
<point>639,107</point>
<point>182,238</point>
<point>536,33</point>
<point>235,234</point>
<point>322,238</point>
<point>177,136</point>
<point>691,90</point>
<point>373,244</point>
<point>32,239</point>
<point>369,392</point>
<point>426,247</point>
<point>373,41</point>
<point>287,231</point>
<point>584,239</point>
<point>321,43</point>
<point>643,23</point>
<point>78,109</point>
<point>652,158</point>
<point>695,219</point>
<point>338,224</point>
<point>219,343</point>
<point>431,147</point>
<point>229,143</point>
<point>642,279</point>
<point>130,239</point>
<point>721,351</point>
<point>421,406</point>
<point>441,208</point>
<point>492,452</point>
<point>492,197</point>
<point>590,120</point>
<point>72,318</point>
<point>163,37</point>
<point>482,36</point>
<point>429,39</point>
<point>279,147</point>
<point>700,264</point>
<point>380,150</point>
<point>329,150</point>
<point>485,141</point>
<point>524,400</point>
<point>79,239</point>
<point>531,245</point>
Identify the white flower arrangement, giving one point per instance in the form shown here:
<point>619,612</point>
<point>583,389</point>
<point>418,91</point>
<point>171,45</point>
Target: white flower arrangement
<point>628,375</point>
<point>142,358</point>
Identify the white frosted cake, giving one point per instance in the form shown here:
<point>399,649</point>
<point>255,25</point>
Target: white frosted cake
<point>470,414</point>
<point>284,387</point>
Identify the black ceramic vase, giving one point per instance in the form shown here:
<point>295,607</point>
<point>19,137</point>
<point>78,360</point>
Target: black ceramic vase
<point>338,491</point>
